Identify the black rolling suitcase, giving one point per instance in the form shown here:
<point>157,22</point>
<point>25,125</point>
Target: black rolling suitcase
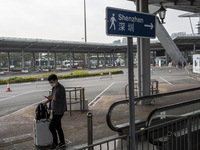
<point>42,135</point>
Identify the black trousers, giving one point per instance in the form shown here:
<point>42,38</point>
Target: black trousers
<point>56,127</point>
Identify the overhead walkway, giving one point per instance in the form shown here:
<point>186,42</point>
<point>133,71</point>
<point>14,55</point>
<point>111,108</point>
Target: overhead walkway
<point>168,44</point>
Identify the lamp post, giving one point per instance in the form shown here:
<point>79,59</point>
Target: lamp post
<point>162,14</point>
<point>85,27</point>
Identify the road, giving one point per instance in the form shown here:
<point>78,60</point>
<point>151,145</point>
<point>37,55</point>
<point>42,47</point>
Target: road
<point>25,94</point>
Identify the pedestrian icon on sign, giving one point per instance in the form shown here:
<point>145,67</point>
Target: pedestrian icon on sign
<point>113,20</point>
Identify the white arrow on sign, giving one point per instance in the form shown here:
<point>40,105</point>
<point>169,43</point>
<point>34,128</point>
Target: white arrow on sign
<point>149,26</point>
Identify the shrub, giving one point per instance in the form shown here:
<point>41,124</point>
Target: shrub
<point>79,73</point>
<point>74,74</point>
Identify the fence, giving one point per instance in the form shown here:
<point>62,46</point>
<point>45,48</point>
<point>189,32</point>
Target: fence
<point>76,98</point>
<point>153,88</point>
<point>118,143</point>
<point>172,127</point>
<point>177,134</point>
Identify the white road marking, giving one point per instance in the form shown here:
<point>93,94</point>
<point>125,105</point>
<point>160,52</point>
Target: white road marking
<point>24,108</point>
<point>166,81</point>
<point>21,94</point>
<point>191,78</point>
<point>95,99</point>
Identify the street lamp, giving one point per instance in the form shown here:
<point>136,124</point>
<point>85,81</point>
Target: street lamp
<point>162,13</point>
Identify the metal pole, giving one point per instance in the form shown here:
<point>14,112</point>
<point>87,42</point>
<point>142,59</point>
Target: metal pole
<point>139,59</point>
<point>85,27</point>
<point>131,93</point>
<point>70,103</point>
<point>90,130</point>
<point>189,136</point>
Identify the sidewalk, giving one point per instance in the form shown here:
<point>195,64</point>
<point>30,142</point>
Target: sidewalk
<point>17,128</point>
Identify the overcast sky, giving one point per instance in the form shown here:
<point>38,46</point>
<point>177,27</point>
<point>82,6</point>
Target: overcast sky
<point>64,19</point>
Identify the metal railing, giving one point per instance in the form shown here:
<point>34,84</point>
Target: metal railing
<point>180,126</point>
<point>177,134</point>
<point>118,143</point>
<point>75,95</point>
<point>173,130</point>
<point>153,88</point>
<point>172,127</point>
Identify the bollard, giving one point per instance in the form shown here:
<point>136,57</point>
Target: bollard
<point>90,130</point>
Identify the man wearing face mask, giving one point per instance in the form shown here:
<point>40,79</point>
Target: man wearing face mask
<point>58,106</point>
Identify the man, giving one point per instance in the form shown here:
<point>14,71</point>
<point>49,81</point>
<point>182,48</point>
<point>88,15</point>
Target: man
<point>58,106</point>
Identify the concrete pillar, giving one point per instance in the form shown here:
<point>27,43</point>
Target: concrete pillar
<point>33,62</point>
<point>48,59</point>
<point>23,60</point>
<point>145,58</point>
<point>154,57</point>
<point>72,60</point>
<point>55,60</point>
<point>113,59</point>
<point>88,60</point>
<point>97,59</point>
<point>126,59</point>
<point>8,61</point>
<point>104,60</point>
<point>166,59</point>
<point>194,48</point>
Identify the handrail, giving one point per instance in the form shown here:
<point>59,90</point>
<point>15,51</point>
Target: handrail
<point>108,116</point>
<point>166,94</point>
<point>168,107</point>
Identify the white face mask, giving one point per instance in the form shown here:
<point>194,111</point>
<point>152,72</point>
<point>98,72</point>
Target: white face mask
<point>53,84</point>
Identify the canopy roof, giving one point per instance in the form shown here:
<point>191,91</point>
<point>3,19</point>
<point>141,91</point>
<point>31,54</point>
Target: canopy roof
<point>184,43</point>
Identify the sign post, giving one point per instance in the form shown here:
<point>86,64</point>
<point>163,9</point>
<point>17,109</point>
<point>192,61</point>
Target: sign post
<point>121,22</point>
<point>130,24</point>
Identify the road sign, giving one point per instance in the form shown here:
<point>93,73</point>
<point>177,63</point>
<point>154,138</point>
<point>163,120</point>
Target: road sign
<point>121,22</point>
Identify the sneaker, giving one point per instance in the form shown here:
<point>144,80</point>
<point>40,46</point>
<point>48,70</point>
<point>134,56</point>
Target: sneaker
<point>53,146</point>
<point>61,145</point>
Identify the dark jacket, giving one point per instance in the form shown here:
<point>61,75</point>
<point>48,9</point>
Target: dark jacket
<point>59,105</point>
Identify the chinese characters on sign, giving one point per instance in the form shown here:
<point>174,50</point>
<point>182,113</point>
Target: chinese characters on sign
<point>129,23</point>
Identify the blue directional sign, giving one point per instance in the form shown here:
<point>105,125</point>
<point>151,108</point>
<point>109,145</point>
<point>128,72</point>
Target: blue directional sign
<point>129,23</point>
